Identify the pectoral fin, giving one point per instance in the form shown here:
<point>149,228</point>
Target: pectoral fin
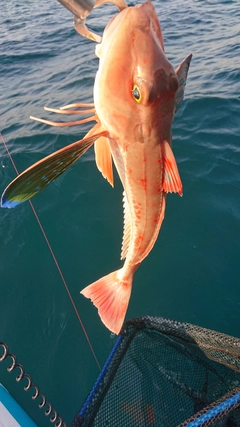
<point>104,158</point>
<point>182,72</point>
<point>171,178</point>
<point>41,174</point>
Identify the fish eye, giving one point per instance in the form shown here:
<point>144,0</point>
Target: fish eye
<point>136,94</point>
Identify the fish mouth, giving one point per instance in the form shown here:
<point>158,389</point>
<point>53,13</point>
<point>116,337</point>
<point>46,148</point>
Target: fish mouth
<point>82,8</point>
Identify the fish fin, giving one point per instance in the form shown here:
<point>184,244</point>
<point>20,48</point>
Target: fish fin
<point>157,229</point>
<point>104,158</point>
<point>42,173</point>
<point>127,227</point>
<point>110,295</point>
<point>182,72</point>
<point>171,180</point>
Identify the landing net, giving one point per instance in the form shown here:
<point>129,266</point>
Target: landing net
<point>162,373</point>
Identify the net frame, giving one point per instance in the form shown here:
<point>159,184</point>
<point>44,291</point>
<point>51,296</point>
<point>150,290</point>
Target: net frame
<point>215,351</point>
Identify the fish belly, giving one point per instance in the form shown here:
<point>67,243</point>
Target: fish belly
<point>140,168</point>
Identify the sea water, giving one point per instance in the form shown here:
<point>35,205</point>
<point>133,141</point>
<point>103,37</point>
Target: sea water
<point>193,272</point>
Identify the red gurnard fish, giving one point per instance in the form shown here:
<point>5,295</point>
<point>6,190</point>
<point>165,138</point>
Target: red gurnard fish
<point>136,94</point>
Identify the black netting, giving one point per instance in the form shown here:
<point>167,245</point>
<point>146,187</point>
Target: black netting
<point>163,373</point>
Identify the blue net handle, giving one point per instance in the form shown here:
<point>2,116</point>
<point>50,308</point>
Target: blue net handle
<point>217,410</point>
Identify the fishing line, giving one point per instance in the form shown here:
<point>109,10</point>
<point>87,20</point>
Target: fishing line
<point>55,261</point>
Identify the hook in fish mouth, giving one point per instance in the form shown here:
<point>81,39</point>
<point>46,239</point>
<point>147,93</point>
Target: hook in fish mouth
<point>82,8</point>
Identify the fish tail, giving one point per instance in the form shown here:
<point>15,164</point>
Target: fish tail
<point>111,295</point>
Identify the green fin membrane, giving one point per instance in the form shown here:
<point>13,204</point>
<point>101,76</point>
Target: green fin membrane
<point>41,174</point>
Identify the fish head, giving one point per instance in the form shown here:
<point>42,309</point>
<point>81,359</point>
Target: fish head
<point>135,86</point>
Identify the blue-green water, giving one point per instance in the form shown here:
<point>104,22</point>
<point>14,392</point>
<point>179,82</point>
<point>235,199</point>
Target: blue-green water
<point>193,271</point>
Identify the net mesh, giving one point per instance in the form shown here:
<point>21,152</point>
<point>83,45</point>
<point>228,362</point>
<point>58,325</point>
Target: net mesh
<point>165,373</point>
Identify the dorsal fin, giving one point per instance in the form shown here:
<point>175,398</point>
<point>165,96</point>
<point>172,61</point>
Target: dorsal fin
<point>103,158</point>
<point>126,227</point>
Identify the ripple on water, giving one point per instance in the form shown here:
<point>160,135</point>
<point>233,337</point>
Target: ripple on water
<point>194,265</point>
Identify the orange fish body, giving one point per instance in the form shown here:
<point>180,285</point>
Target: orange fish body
<point>136,94</point>
<point>134,97</point>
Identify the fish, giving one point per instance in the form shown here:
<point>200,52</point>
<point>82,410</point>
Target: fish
<point>136,94</point>
<point>139,413</point>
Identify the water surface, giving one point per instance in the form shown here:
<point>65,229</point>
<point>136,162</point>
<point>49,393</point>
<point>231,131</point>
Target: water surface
<point>192,273</point>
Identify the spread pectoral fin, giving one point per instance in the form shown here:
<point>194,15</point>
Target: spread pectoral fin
<point>104,158</point>
<point>171,178</point>
<point>41,174</point>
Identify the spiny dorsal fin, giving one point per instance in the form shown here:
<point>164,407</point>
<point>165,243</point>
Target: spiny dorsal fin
<point>126,227</point>
<point>103,158</point>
